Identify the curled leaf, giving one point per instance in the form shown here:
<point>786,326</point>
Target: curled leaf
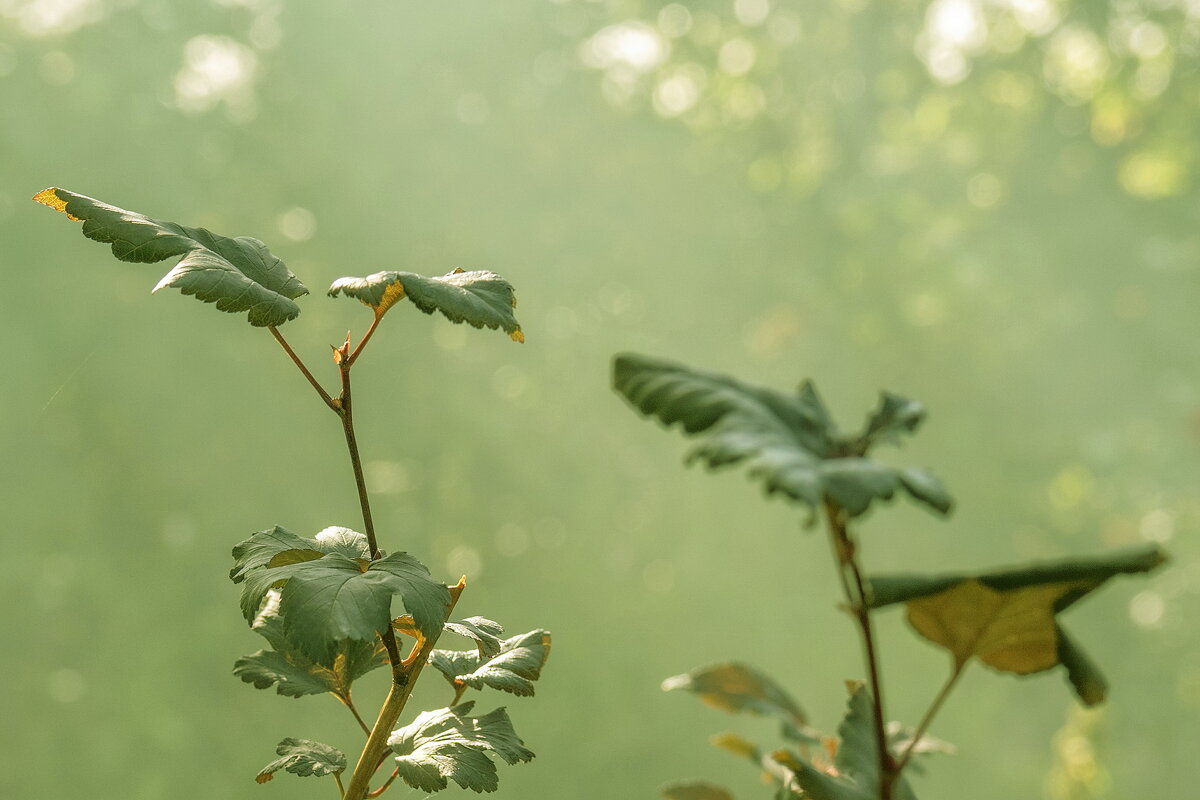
<point>479,298</point>
<point>305,758</point>
<point>513,668</point>
<point>449,744</point>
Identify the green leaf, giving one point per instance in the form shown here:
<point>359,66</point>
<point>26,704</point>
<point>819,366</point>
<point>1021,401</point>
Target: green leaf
<point>479,298</point>
<point>330,593</point>
<point>1008,618</point>
<point>484,631</point>
<point>513,669</point>
<point>855,773</point>
<point>787,441</point>
<point>305,758</point>
<point>694,790</point>
<point>448,744</point>
<point>238,274</point>
<point>738,687</point>
<point>894,417</point>
<point>294,674</point>
<point>900,738</point>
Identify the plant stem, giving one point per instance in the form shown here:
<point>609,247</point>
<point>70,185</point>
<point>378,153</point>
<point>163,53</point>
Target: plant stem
<point>391,779</point>
<point>341,789</point>
<point>344,409</point>
<point>366,338</point>
<point>934,707</point>
<point>856,598</point>
<point>349,703</point>
<point>303,369</point>
<point>376,748</point>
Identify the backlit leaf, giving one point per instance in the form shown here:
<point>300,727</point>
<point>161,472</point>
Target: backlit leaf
<point>479,298</point>
<point>449,744</point>
<point>738,687</point>
<point>305,758</point>
<point>787,441</point>
<point>512,669</point>
<point>238,274</point>
<point>485,632</point>
<point>1008,618</point>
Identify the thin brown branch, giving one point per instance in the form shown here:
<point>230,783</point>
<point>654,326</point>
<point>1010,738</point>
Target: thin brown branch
<point>856,597</point>
<point>366,338</point>
<point>303,369</point>
<point>934,707</point>
<point>386,784</point>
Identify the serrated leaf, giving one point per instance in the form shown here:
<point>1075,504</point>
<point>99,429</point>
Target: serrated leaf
<point>263,546</point>
<point>238,274</point>
<point>329,594</point>
<point>479,298</point>
<point>1008,618</point>
<point>694,790</point>
<point>513,669</point>
<point>305,758</point>
<point>855,773</point>
<point>787,441</point>
<point>449,744</point>
<point>294,675</point>
<point>484,631</point>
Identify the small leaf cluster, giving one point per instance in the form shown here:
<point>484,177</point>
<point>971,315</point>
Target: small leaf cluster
<point>242,274</point>
<point>327,605</point>
<point>788,441</point>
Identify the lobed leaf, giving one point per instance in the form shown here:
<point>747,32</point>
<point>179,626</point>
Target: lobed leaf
<point>449,744</point>
<point>294,674</point>
<point>238,274</point>
<point>479,298</point>
<point>329,593</point>
<point>788,442</point>
<point>305,758</point>
<point>1008,618</point>
<point>513,668</point>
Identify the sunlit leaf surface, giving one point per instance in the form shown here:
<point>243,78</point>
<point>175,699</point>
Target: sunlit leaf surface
<point>479,298</point>
<point>238,274</point>
<point>449,744</point>
<point>513,668</point>
<point>305,758</point>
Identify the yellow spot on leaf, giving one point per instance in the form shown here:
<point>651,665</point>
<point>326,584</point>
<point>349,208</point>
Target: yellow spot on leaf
<point>49,197</point>
<point>1011,631</point>
<point>518,336</point>
<point>391,295</point>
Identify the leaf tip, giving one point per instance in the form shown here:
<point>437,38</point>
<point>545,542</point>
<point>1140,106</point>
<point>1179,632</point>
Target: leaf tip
<point>50,198</point>
<point>518,336</point>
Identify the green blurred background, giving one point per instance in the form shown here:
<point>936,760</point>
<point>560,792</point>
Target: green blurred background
<point>987,205</point>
